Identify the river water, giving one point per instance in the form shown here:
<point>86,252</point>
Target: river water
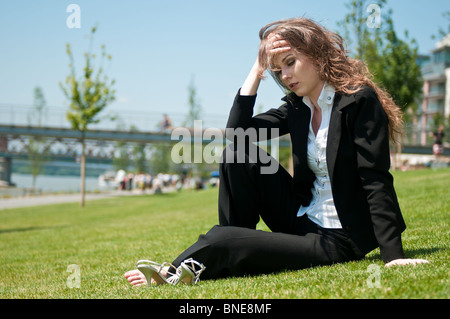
<point>50,183</point>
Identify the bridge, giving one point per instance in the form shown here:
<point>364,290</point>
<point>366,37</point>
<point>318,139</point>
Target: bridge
<point>63,144</point>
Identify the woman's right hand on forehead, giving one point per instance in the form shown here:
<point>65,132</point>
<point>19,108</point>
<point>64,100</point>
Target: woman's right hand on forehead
<point>276,44</point>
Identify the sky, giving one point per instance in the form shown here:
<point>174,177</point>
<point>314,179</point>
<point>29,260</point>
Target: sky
<point>159,47</point>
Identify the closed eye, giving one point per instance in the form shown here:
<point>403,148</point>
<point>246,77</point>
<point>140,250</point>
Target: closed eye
<point>290,62</point>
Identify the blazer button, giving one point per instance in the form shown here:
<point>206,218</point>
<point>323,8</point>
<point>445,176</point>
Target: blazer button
<point>348,228</point>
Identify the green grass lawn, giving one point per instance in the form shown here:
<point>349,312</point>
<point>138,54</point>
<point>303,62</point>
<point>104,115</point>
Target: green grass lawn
<point>106,238</point>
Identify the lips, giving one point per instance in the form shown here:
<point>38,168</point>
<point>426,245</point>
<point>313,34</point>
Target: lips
<point>292,86</point>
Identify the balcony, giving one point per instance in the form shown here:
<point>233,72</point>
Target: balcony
<point>433,72</point>
<point>437,94</point>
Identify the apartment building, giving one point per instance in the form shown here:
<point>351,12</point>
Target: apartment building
<point>436,88</point>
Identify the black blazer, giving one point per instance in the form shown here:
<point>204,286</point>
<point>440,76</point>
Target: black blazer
<point>358,160</point>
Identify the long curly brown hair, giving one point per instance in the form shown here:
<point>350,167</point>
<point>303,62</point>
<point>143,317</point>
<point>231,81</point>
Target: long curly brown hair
<point>326,51</point>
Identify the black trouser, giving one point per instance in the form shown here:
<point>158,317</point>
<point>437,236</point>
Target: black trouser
<point>236,248</point>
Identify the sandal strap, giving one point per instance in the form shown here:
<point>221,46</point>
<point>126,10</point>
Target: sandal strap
<point>168,266</point>
<point>191,264</point>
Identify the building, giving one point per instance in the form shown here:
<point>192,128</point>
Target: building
<point>436,88</point>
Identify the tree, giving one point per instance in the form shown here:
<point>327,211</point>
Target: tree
<point>160,160</point>
<point>355,27</point>
<point>195,109</point>
<point>140,157</point>
<point>194,114</point>
<point>390,59</point>
<point>138,154</point>
<point>400,73</point>
<point>122,159</point>
<point>39,105</point>
<point>37,148</point>
<point>88,96</point>
<point>442,32</point>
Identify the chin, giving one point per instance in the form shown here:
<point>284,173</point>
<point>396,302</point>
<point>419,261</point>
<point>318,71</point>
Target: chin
<point>300,93</point>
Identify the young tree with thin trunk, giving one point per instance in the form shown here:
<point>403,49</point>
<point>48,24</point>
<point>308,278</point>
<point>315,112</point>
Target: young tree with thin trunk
<point>88,95</point>
<point>37,147</point>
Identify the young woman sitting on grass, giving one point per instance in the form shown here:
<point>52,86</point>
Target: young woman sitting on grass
<point>340,203</point>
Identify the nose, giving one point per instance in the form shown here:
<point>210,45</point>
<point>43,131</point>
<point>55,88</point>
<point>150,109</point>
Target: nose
<point>285,75</point>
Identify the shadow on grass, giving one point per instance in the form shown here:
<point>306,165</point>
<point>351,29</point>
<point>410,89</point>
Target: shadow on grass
<point>410,253</point>
<point>25,229</point>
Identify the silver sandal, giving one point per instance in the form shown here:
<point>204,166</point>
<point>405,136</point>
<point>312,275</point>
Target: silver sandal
<point>152,270</point>
<point>189,272</point>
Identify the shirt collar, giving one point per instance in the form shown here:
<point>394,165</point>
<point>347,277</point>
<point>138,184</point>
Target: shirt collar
<point>326,96</point>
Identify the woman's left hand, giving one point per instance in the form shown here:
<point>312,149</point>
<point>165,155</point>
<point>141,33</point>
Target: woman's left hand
<point>403,262</point>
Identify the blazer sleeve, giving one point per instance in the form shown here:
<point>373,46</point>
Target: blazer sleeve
<point>371,137</point>
<point>241,116</point>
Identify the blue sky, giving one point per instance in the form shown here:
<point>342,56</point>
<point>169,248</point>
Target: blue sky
<point>157,47</point>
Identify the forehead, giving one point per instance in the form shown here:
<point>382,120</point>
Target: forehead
<point>279,59</point>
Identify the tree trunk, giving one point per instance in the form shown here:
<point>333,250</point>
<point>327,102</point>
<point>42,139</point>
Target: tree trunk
<point>83,170</point>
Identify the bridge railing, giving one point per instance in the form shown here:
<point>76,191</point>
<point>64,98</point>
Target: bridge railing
<point>53,116</point>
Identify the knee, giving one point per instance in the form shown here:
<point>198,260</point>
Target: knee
<point>219,235</point>
<point>215,234</point>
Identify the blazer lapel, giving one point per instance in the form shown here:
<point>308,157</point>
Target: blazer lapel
<point>335,129</point>
<point>299,129</point>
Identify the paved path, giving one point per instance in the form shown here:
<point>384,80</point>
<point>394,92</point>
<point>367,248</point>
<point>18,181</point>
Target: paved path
<point>25,201</point>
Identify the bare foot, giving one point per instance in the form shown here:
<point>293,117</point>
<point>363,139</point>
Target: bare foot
<point>135,278</point>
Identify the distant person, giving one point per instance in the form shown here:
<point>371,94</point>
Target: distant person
<point>121,179</point>
<point>438,144</point>
<point>340,204</point>
<point>166,124</point>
